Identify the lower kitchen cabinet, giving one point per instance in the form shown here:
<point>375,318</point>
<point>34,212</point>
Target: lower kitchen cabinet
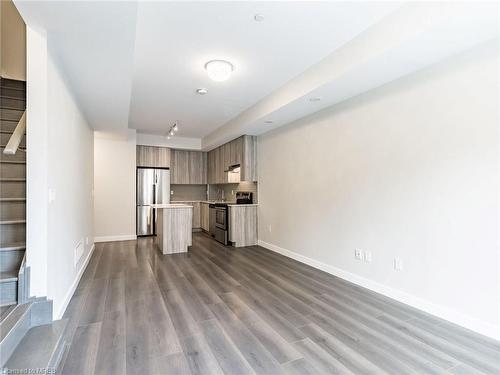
<point>243,225</point>
<point>196,215</point>
<point>205,216</point>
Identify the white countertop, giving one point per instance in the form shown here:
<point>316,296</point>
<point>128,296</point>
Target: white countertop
<point>171,205</point>
<point>209,202</point>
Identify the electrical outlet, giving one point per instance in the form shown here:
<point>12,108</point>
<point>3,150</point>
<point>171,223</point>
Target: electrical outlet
<point>398,264</point>
<point>171,192</point>
<point>86,240</point>
<point>368,256</point>
<point>358,254</point>
<point>269,228</point>
<point>52,195</point>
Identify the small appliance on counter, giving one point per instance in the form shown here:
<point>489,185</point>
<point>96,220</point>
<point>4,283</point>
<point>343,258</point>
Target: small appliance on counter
<point>244,197</point>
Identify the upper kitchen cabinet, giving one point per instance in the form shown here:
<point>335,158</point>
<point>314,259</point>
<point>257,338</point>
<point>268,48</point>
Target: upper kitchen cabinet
<point>248,161</point>
<point>197,165</point>
<point>241,151</point>
<point>188,167</point>
<point>154,157</point>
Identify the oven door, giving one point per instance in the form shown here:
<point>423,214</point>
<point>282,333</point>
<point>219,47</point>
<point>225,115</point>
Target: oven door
<point>221,218</point>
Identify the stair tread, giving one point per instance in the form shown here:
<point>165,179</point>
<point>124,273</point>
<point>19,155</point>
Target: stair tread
<point>8,276</point>
<point>12,179</point>
<point>12,97</point>
<point>12,161</point>
<point>13,246</point>
<point>12,199</point>
<point>13,108</point>
<point>19,148</point>
<point>11,319</point>
<point>30,354</point>
<point>5,311</point>
<point>13,221</point>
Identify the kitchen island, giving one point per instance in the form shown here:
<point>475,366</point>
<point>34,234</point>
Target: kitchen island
<point>174,227</point>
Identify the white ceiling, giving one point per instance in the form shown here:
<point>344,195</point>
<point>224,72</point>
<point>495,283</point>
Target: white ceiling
<point>138,64</point>
<point>175,40</point>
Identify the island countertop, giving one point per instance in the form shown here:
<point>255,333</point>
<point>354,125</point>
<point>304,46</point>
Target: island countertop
<point>171,205</point>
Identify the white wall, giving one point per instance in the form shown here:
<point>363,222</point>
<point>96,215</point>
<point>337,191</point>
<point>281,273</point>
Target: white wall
<point>175,142</point>
<point>114,186</point>
<point>37,161</point>
<point>70,177</point>
<point>60,165</point>
<point>409,170</point>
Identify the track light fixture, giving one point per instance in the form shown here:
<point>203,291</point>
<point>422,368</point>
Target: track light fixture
<point>173,129</point>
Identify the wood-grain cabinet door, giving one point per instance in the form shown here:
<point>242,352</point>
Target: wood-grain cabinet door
<point>196,215</point>
<point>205,216</point>
<point>145,156</point>
<point>153,157</point>
<point>211,167</point>
<point>249,158</point>
<point>197,164</point>
<point>180,167</point>
<point>162,157</point>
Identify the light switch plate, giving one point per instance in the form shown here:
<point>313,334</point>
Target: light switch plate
<point>368,256</point>
<point>398,264</point>
<point>358,254</point>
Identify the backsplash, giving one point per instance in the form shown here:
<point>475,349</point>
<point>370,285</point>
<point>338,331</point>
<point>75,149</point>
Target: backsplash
<point>214,191</point>
<point>188,192</point>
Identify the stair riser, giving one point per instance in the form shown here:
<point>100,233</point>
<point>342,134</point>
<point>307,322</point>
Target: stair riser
<point>13,189</point>
<point>20,155</point>
<point>12,233</point>
<point>4,139</point>
<point>13,93</point>
<point>8,291</point>
<point>11,114</point>
<point>12,103</point>
<point>13,210</point>
<point>8,125</point>
<point>12,170</point>
<point>11,260</point>
<point>9,344</point>
<point>5,82</point>
<point>41,313</point>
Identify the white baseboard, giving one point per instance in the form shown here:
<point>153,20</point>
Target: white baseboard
<point>442,312</point>
<point>59,314</point>
<point>125,237</point>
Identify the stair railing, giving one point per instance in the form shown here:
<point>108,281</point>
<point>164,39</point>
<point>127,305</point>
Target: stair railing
<point>16,137</point>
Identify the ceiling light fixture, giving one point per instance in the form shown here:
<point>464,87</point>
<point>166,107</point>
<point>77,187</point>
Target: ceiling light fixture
<point>315,99</point>
<point>219,70</point>
<point>268,122</point>
<point>258,17</point>
<point>201,91</point>
<point>173,129</point>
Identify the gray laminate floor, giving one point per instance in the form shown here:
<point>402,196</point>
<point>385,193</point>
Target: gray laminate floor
<point>218,310</point>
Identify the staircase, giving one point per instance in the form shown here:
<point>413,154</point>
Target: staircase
<point>12,195</point>
<point>28,337</point>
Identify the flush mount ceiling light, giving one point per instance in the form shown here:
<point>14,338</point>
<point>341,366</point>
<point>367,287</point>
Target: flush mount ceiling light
<point>258,17</point>
<point>173,129</point>
<point>219,70</point>
<point>268,122</point>
<point>315,99</point>
<point>201,91</point>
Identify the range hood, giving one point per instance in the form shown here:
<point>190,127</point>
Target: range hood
<point>233,174</point>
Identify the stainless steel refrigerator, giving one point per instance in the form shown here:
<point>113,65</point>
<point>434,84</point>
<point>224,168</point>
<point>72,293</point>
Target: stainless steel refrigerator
<point>153,187</point>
